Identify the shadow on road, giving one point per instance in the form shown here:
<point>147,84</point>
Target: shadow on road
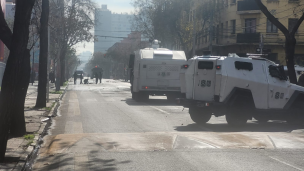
<point>81,159</point>
<point>274,126</point>
<point>150,102</point>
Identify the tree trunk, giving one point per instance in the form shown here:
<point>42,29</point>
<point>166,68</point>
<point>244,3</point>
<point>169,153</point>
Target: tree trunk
<point>17,126</point>
<point>62,65</point>
<point>16,76</point>
<point>43,56</point>
<point>290,45</point>
<point>58,75</point>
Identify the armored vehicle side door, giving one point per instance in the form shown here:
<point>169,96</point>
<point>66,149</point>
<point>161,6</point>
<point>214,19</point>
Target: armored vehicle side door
<point>278,87</point>
<point>204,79</point>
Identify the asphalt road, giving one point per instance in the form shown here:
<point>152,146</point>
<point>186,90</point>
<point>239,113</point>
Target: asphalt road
<point>99,127</point>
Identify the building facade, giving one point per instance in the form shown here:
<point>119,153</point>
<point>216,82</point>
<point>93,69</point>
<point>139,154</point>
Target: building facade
<point>239,26</point>
<point>110,28</point>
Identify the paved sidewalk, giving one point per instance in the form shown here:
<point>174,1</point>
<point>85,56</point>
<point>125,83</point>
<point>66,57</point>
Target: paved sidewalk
<point>18,148</point>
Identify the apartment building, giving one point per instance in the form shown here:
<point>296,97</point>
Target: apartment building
<point>111,28</point>
<point>239,26</point>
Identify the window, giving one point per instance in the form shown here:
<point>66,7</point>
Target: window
<point>213,32</point>
<point>233,1</point>
<point>222,30</point>
<point>291,23</point>
<point>226,28</point>
<point>299,59</point>
<point>277,71</point>
<point>250,25</point>
<point>205,65</point>
<point>232,26</point>
<point>271,28</point>
<point>243,65</point>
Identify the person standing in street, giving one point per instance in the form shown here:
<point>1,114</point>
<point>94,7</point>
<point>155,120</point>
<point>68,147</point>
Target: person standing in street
<point>100,76</point>
<point>96,77</point>
<point>75,77</point>
<point>33,76</point>
<point>52,77</point>
<point>81,77</point>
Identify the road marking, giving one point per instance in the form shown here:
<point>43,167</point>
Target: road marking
<point>160,110</point>
<point>272,142</point>
<point>286,163</point>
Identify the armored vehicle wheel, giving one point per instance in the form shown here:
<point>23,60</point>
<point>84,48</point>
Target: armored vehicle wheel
<point>236,116</point>
<point>135,96</point>
<point>144,96</point>
<point>200,115</point>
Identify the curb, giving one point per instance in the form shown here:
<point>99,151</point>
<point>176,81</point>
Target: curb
<point>28,154</point>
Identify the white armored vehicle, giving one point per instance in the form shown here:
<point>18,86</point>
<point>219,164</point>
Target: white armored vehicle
<point>156,71</point>
<point>241,89</point>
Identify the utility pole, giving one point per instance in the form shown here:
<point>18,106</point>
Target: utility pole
<point>211,27</point>
<point>194,31</point>
<point>261,44</point>
<point>48,69</point>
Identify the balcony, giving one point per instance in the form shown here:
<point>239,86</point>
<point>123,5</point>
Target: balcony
<point>247,7</point>
<point>248,38</point>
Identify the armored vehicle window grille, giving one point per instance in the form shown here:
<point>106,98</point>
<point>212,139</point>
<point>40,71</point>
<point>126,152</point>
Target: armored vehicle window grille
<point>205,65</point>
<point>172,68</point>
<point>155,68</point>
<point>278,72</point>
<point>243,65</point>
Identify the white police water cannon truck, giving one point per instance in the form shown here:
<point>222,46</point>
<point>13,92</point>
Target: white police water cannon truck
<point>156,71</point>
<point>241,89</point>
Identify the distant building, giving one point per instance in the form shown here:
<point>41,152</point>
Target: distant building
<point>111,28</point>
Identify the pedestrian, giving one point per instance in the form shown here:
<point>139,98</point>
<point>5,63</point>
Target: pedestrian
<point>81,77</point>
<point>52,77</point>
<point>301,80</point>
<point>100,75</point>
<point>96,76</point>
<point>33,76</point>
<point>75,77</point>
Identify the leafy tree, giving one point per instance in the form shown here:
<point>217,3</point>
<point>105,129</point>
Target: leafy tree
<point>290,40</point>
<point>73,25</point>
<point>167,20</point>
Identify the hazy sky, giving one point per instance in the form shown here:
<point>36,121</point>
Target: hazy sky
<point>117,6</point>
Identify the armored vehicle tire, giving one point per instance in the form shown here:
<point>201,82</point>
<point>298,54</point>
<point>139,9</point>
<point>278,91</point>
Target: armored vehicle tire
<point>199,115</point>
<point>236,117</point>
<point>134,96</point>
<point>144,96</point>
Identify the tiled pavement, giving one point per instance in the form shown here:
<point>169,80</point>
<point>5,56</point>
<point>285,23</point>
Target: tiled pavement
<point>18,148</point>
